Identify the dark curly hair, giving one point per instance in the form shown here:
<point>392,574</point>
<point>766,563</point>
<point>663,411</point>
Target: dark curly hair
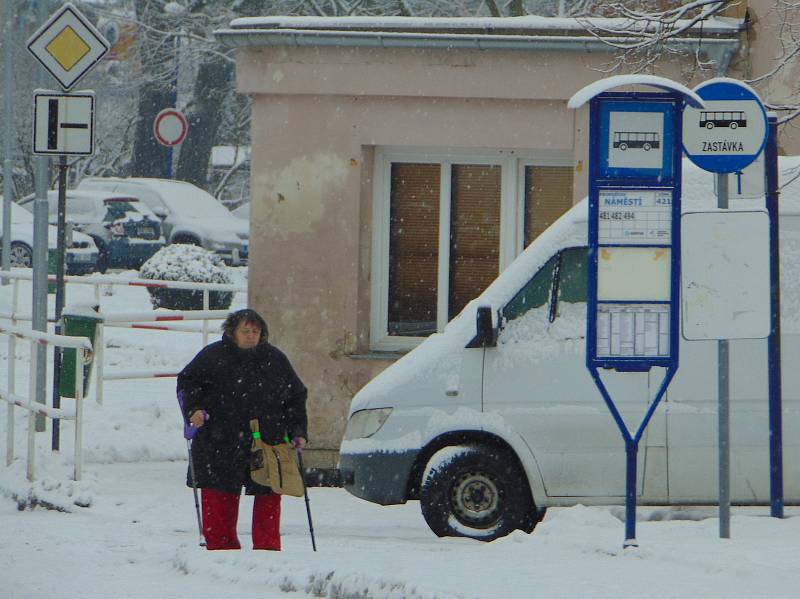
<point>250,317</point>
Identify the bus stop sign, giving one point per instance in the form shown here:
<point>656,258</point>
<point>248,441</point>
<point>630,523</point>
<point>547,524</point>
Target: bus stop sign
<point>730,131</point>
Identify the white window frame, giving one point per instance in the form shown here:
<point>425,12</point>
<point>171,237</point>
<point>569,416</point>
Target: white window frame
<point>512,222</point>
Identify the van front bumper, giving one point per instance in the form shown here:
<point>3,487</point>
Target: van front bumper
<point>379,477</point>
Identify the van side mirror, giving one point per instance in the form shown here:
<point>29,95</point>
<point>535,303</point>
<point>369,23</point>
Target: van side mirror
<point>160,212</point>
<point>485,333</point>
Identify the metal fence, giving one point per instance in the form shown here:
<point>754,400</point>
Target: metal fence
<point>83,352</point>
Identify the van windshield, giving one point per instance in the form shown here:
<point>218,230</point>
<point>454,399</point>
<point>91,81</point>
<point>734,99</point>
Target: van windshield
<point>567,270</point>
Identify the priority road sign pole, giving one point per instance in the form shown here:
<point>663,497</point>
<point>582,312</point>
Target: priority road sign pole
<point>40,244</point>
<point>55,46</point>
<point>60,291</point>
<point>8,127</point>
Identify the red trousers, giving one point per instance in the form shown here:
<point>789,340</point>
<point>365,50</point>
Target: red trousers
<point>221,511</point>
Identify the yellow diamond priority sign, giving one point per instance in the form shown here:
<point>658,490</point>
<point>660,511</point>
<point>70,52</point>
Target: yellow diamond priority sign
<point>68,45</point>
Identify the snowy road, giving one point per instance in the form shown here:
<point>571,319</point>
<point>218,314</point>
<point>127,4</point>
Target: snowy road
<point>139,539</point>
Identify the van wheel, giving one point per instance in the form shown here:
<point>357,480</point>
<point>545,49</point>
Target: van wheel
<point>474,491</point>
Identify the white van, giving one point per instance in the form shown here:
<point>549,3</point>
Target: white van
<point>488,435</point>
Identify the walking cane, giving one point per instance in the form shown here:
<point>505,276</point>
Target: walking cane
<point>305,494</point>
<point>194,489</point>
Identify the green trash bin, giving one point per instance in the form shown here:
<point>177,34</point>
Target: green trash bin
<point>78,321</point>
<point>52,268</point>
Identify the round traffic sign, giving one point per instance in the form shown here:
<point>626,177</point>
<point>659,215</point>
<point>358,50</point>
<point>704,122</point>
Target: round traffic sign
<point>730,131</point>
<point>170,127</point>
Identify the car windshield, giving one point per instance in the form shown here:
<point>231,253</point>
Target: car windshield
<point>117,209</point>
<point>191,202</point>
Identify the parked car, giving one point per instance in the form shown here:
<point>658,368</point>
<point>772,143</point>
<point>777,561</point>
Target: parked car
<point>81,253</point>
<point>188,213</point>
<point>124,229</point>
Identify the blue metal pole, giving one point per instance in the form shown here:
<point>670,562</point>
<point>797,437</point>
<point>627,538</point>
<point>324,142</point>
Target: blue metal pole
<point>631,448</point>
<point>774,349</point>
<point>168,169</point>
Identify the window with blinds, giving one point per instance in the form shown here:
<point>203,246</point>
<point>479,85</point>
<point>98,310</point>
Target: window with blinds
<point>474,232</point>
<point>413,249</point>
<point>444,239</point>
<point>548,195</point>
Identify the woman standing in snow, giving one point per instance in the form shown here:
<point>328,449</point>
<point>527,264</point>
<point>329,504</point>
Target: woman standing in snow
<point>226,385</point>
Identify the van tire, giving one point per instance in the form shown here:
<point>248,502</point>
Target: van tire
<point>475,491</point>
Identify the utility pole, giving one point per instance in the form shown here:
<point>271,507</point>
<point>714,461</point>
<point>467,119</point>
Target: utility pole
<point>8,134</point>
<point>39,299</point>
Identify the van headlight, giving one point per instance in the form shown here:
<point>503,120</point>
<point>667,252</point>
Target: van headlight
<point>366,423</point>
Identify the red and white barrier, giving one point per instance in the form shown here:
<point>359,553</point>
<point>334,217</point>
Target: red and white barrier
<point>172,316</point>
<point>133,320</point>
<point>139,374</point>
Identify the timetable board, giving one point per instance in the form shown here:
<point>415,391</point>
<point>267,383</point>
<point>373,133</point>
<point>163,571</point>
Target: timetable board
<point>629,330</point>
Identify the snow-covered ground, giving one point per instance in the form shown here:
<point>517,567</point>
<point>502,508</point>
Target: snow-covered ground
<point>128,529</point>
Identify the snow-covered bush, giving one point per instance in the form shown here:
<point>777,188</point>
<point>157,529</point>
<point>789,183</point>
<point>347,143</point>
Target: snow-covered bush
<point>181,262</point>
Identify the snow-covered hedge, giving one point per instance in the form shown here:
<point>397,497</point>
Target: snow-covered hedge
<point>180,262</point>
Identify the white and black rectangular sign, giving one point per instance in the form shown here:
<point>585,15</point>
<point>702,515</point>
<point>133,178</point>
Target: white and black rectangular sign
<point>63,124</point>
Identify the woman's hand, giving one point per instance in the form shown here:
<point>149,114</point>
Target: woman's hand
<point>298,442</point>
<point>198,419</point>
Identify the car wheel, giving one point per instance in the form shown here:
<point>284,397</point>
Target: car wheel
<point>474,491</point>
<point>21,255</point>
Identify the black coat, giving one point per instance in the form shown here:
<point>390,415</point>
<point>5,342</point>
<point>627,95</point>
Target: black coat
<point>234,385</point>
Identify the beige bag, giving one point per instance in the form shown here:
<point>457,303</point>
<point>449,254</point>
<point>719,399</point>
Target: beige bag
<point>274,466</point>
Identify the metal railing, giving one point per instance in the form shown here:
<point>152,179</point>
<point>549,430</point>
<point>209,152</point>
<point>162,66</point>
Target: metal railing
<point>83,351</point>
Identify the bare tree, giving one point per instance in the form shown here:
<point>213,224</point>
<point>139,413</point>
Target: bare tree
<point>641,31</point>
<point>783,25</point>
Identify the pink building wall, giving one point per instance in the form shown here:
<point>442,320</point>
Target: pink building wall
<point>318,115</point>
